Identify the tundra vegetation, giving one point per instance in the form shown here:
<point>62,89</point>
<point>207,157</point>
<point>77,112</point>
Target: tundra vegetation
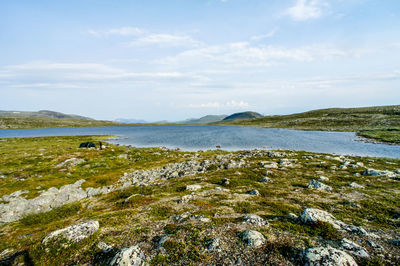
<point>381,123</point>
<point>209,217</point>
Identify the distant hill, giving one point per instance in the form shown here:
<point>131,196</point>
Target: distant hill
<point>242,116</point>
<point>204,120</point>
<point>48,119</point>
<point>335,119</point>
<point>130,121</point>
<point>44,114</point>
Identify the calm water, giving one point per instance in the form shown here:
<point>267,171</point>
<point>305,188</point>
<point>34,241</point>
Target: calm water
<point>230,138</point>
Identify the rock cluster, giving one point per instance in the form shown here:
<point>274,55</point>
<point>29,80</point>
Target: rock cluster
<point>318,185</point>
<point>49,199</point>
<point>254,219</point>
<point>18,206</point>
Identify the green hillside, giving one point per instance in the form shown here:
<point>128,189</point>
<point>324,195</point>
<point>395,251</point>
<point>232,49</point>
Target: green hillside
<point>242,116</point>
<point>15,122</point>
<point>380,122</point>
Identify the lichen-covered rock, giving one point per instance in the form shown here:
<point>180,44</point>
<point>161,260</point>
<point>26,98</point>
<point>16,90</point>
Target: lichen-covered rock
<point>312,216</point>
<point>318,185</point>
<point>266,180</point>
<point>374,172</point>
<point>254,219</point>
<point>254,192</point>
<point>353,248</point>
<point>214,244</point>
<point>193,187</point>
<point>70,162</point>
<point>327,256</point>
<point>132,256</point>
<point>74,233</point>
<point>253,238</point>
<point>355,185</point>
<point>323,178</point>
<point>224,182</point>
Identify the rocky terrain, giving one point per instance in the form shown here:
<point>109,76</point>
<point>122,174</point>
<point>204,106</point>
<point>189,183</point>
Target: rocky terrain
<point>60,205</point>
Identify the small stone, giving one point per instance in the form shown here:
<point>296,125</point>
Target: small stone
<point>323,178</point>
<point>254,219</point>
<point>123,156</point>
<point>375,245</point>
<point>266,180</point>
<point>214,244</point>
<point>193,187</point>
<point>253,238</point>
<point>314,184</point>
<point>200,218</point>
<point>254,192</point>
<point>355,185</point>
<point>224,182</point>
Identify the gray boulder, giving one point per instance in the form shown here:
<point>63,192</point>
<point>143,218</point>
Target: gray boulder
<point>70,162</point>
<point>254,192</point>
<point>314,184</point>
<point>253,238</point>
<point>355,185</point>
<point>193,187</point>
<point>312,216</point>
<point>74,233</point>
<point>327,256</point>
<point>131,256</point>
<point>266,180</point>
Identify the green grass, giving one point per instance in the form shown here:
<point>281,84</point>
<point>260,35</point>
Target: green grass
<point>381,122</point>
<point>51,216</point>
<point>386,135</point>
<point>137,214</point>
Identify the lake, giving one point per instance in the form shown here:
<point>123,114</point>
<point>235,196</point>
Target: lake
<point>193,138</point>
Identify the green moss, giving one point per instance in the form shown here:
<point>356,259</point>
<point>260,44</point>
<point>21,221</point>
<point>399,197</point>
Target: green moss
<point>322,229</point>
<point>51,216</point>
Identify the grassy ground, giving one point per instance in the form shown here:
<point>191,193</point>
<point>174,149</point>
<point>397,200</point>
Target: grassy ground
<point>42,122</point>
<point>140,214</point>
<point>379,119</point>
<point>388,135</point>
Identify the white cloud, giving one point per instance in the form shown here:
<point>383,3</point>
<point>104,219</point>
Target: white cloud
<point>51,73</point>
<point>165,40</point>
<point>306,9</point>
<point>123,31</point>
<point>229,105</point>
<point>264,36</point>
<point>244,54</point>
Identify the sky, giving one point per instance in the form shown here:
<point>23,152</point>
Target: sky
<point>177,59</point>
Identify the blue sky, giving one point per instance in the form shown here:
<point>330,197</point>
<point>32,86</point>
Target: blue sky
<point>172,60</point>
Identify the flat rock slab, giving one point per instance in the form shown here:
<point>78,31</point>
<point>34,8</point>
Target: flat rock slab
<point>74,233</point>
<point>327,256</point>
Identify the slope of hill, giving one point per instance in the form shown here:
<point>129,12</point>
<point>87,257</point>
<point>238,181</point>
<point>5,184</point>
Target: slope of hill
<point>242,116</point>
<point>379,122</point>
<point>13,122</point>
<point>43,114</point>
<point>130,121</point>
<point>204,120</point>
<point>48,119</point>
